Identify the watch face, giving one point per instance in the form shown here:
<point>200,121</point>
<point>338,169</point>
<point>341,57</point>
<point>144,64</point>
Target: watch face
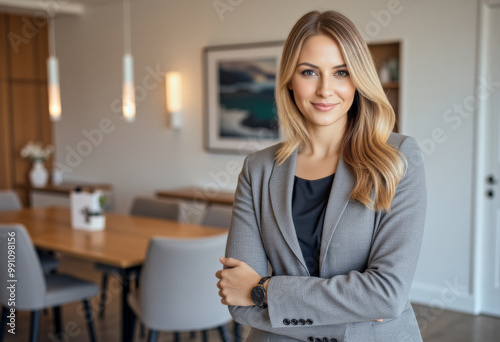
<point>258,295</point>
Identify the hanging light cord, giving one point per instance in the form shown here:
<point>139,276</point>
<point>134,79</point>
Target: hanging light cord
<point>126,25</point>
<point>52,39</point>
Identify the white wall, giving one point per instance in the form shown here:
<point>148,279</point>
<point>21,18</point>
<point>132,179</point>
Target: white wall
<point>438,71</point>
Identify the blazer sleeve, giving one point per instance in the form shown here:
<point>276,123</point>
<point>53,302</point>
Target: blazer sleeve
<point>245,243</point>
<point>381,291</point>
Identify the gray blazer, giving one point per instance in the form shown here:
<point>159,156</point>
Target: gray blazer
<point>367,258</point>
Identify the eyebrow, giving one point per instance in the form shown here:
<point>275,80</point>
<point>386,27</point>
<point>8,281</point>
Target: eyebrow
<point>317,67</point>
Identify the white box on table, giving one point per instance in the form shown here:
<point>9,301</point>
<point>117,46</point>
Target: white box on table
<point>86,210</point>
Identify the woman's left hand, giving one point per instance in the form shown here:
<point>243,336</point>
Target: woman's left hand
<point>236,282</point>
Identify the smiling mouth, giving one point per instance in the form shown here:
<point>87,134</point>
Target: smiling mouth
<point>324,107</point>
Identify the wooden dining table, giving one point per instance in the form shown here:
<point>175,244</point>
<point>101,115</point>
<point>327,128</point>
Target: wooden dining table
<point>122,244</point>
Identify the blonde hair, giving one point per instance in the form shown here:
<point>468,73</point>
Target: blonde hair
<point>378,167</point>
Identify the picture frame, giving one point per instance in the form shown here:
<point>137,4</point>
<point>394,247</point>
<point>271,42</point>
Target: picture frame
<point>240,109</point>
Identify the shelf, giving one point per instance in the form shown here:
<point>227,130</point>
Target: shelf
<point>198,194</point>
<point>382,54</point>
<point>66,188</point>
<point>391,85</point>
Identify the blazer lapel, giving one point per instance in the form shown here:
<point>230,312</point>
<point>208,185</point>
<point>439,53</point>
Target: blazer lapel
<point>342,187</point>
<point>281,189</point>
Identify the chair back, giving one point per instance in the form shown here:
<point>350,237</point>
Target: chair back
<point>29,284</point>
<point>167,208</point>
<point>178,285</point>
<point>218,215</point>
<point>9,200</point>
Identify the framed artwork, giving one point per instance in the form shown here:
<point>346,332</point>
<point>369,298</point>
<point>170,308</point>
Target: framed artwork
<point>241,114</point>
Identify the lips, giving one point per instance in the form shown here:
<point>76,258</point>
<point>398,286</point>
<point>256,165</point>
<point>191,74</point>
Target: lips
<point>324,107</point>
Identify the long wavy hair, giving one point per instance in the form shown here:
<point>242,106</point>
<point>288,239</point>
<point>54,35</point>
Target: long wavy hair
<point>378,167</point>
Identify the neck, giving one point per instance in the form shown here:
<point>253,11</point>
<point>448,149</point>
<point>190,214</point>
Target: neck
<point>325,141</point>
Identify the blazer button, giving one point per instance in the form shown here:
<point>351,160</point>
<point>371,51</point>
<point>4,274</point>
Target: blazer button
<point>317,340</point>
<point>309,321</point>
<point>302,321</point>
<point>294,321</point>
<point>333,340</point>
<point>286,321</point>
<point>310,339</point>
<point>325,339</point>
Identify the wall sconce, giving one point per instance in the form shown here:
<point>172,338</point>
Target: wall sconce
<point>173,84</point>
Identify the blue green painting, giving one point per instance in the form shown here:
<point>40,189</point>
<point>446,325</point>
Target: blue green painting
<point>246,98</point>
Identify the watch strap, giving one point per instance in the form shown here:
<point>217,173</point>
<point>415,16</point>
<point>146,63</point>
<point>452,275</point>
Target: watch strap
<point>263,280</point>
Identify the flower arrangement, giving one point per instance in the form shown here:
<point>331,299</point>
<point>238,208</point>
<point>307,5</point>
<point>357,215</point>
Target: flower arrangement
<point>36,152</point>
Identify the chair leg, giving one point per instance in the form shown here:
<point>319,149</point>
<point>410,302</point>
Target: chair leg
<point>89,319</point>
<point>3,322</point>
<point>104,289</point>
<point>237,332</point>
<point>224,333</point>
<point>35,325</point>
<point>177,337</point>
<point>153,336</point>
<point>142,331</point>
<point>57,321</point>
<point>133,319</point>
<point>136,281</point>
<point>204,336</point>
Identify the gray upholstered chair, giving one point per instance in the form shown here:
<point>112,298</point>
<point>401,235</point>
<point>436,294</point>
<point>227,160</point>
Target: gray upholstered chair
<point>178,287</point>
<point>9,200</point>
<point>167,209</point>
<point>218,215</point>
<point>35,290</point>
<point>164,208</point>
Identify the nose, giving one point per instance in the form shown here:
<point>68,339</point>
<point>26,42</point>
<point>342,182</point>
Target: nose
<point>325,87</point>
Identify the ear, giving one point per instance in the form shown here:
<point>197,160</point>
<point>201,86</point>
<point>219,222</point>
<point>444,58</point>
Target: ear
<point>290,85</point>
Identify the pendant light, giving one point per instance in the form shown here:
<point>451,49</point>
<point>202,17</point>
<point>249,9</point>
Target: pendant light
<point>128,90</point>
<point>53,88</point>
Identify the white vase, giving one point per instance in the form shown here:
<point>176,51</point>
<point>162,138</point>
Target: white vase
<point>38,174</point>
<point>384,74</point>
<point>57,176</point>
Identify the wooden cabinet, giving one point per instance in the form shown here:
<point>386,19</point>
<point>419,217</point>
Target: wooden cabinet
<point>387,59</point>
<point>23,95</point>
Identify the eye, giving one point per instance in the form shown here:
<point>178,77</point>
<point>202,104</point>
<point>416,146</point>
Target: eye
<point>308,73</point>
<point>342,73</point>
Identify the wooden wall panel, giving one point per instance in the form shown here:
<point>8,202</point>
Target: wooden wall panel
<point>6,180</point>
<point>23,96</point>
<point>22,42</point>
<point>43,52</point>
<point>3,46</point>
<point>26,125</point>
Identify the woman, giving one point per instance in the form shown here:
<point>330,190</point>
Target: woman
<point>335,214</point>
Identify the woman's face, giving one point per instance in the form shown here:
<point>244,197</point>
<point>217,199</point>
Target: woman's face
<point>321,84</point>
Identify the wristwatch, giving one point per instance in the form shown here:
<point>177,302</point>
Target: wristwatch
<point>258,294</point>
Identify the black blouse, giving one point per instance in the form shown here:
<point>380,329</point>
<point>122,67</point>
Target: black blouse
<point>309,200</point>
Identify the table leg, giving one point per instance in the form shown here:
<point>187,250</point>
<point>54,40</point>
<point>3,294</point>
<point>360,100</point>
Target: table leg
<point>125,280</point>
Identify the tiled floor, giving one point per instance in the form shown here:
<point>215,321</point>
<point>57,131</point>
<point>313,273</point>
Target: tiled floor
<point>436,325</point>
